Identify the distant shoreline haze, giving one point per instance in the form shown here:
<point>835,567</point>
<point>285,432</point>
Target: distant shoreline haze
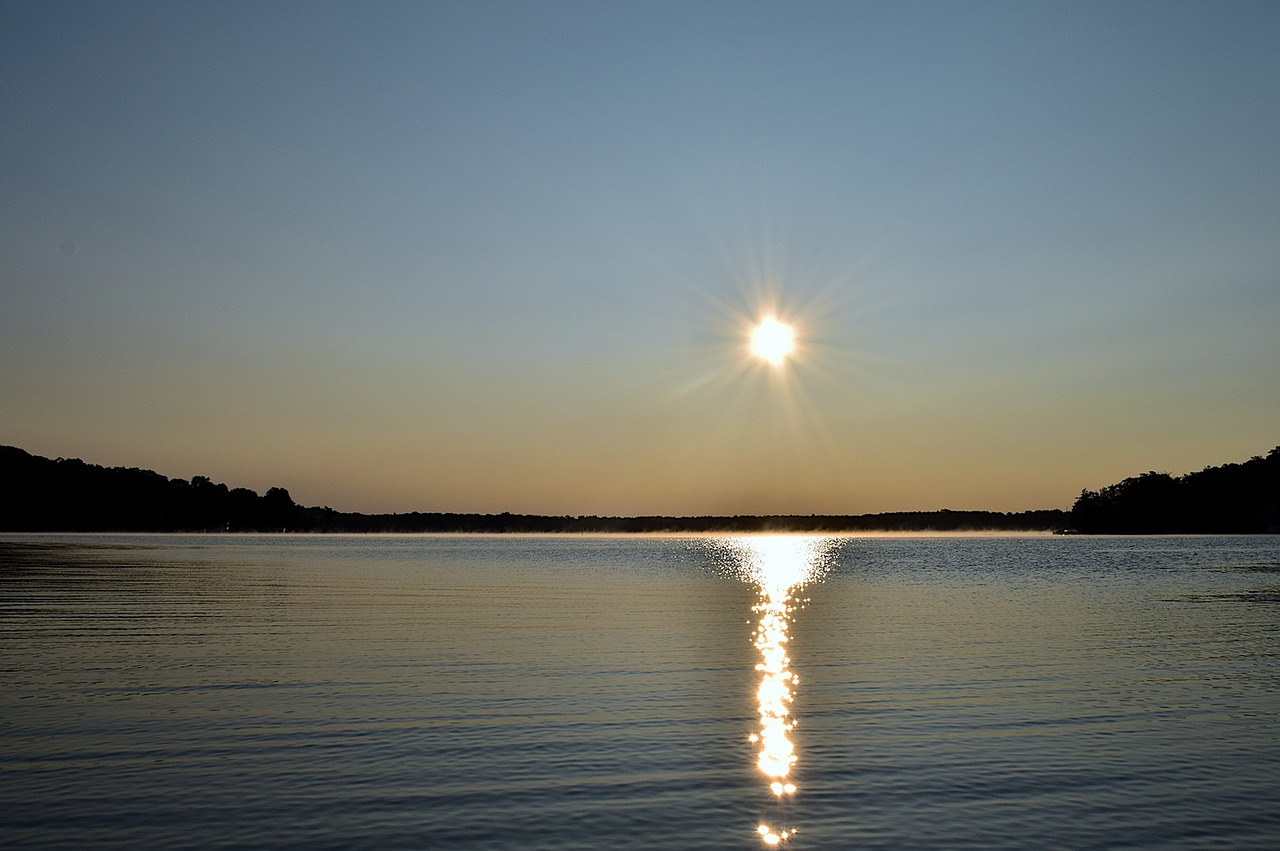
<point>69,495</point>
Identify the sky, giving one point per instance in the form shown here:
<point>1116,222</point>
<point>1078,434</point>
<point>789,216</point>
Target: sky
<point>487,257</point>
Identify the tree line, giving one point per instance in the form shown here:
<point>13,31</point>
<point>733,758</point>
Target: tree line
<point>1230,499</point>
<point>68,495</point>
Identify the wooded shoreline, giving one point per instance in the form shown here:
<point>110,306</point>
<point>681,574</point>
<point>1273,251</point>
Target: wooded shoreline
<point>40,494</point>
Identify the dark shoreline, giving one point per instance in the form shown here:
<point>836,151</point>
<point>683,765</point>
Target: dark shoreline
<point>69,495</point>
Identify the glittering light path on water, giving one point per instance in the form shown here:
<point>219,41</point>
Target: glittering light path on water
<point>778,565</point>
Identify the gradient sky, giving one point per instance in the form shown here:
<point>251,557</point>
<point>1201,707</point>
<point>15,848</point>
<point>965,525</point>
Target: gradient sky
<point>502,256</point>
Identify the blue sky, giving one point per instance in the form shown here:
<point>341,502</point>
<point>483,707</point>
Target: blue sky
<point>490,256</point>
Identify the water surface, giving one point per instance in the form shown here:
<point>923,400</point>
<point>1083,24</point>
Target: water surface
<point>562,692</point>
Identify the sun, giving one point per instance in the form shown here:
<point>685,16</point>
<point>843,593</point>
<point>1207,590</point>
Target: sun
<point>773,341</point>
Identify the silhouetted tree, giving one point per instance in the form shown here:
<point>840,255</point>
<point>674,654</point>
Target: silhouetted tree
<point>1232,498</point>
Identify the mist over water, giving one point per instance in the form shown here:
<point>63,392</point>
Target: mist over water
<point>559,692</point>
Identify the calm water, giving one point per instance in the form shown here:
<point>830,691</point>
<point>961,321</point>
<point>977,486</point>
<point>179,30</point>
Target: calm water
<point>487,692</point>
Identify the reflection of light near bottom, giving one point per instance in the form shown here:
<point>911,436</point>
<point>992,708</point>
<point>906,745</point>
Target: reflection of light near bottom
<point>771,838</point>
<point>777,754</point>
<point>778,564</point>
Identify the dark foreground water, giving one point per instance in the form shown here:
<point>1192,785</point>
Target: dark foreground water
<point>497,692</point>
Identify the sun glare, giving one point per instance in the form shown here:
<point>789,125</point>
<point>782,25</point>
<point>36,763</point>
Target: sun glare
<point>773,341</point>
<point>779,566</point>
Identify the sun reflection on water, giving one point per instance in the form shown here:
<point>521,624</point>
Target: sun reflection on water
<point>778,565</point>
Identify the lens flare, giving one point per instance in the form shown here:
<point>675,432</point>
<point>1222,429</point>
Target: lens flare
<point>773,341</point>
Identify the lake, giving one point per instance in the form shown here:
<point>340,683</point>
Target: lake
<point>639,692</point>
